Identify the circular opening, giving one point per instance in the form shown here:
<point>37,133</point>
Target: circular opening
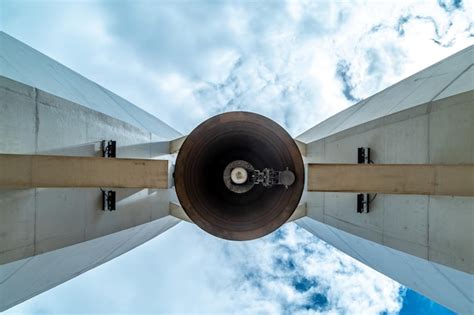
<point>200,175</point>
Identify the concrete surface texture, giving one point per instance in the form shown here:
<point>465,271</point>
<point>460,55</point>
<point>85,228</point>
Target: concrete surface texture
<point>25,278</point>
<point>37,222</point>
<point>424,242</point>
<point>48,236</point>
<point>24,64</point>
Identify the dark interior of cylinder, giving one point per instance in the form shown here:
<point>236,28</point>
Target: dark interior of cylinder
<point>213,147</point>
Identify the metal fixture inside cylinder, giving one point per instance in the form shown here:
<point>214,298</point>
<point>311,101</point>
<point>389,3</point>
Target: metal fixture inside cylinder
<point>240,176</point>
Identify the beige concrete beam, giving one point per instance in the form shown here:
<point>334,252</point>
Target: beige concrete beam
<point>28,171</point>
<point>417,179</point>
<point>178,212</point>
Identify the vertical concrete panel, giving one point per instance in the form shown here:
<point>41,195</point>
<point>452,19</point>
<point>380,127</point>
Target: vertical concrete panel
<point>17,118</point>
<point>17,224</point>
<point>343,149</point>
<point>406,142</point>
<point>452,130</point>
<point>160,200</point>
<point>406,218</point>
<point>135,209</point>
<point>17,135</point>
<point>315,205</point>
<point>343,207</point>
<point>451,231</point>
<point>60,123</point>
<point>60,218</point>
<point>131,141</point>
<point>315,151</point>
<point>32,276</point>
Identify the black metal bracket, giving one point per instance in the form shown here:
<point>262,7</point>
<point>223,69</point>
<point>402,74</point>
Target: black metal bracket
<point>108,200</point>
<point>363,155</point>
<point>363,200</point>
<point>109,148</point>
<point>363,203</point>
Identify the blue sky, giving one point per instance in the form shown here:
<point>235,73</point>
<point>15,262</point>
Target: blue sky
<point>297,62</point>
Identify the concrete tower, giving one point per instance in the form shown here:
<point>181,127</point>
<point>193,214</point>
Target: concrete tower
<point>422,237</point>
<point>425,242</point>
<point>48,236</point>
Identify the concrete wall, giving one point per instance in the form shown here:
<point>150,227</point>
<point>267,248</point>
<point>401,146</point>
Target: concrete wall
<point>68,222</point>
<point>23,279</point>
<point>427,118</point>
<point>436,228</point>
<point>34,221</point>
<point>24,64</point>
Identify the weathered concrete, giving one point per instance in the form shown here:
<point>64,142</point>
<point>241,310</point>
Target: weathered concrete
<point>26,65</point>
<point>427,118</point>
<point>418,139</point>
<point>34,221</point>
<point>23,279</point>
<point>63,228</point>
<point>48,236</point>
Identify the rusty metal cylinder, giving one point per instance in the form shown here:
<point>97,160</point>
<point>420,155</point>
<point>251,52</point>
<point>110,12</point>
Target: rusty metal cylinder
<point>200,180</point>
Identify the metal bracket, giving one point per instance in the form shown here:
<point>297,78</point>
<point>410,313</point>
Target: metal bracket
<point>109,148</point>
<point>269,177</point>
<point>363,200</point>
<point>363,155</point>
<point>363,203</point>
<point>108,200</point>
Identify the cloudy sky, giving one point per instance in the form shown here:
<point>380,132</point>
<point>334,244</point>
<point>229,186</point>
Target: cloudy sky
<point>297,62</point>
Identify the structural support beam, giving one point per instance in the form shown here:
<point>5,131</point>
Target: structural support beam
<point>302,147</point>
<point>178,212</point>
<point>300,212</point>
<point>417,179</point>
<point>176,144</point>
<point>28,171</point>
